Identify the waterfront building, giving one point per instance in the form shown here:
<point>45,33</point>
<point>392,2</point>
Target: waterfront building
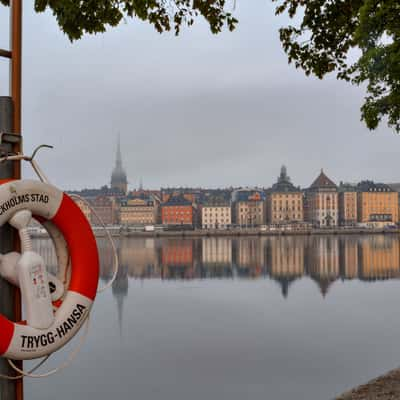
<point>347,205</point>
<point>377,204</point>
<point>322,202</point>
<point>396,188</point>
<point>284,201</point>
<point>106,208</point>
<point>177,211</point>
<point>249,207</point>
<point>84,208</point>
<point>216,215</point>
<point>137,211</point>
<point>119,182</point>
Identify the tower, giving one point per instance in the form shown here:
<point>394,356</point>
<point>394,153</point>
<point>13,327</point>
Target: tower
<point>119,181</point>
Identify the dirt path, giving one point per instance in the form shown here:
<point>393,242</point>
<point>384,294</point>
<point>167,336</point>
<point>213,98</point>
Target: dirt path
<point>386,387</point>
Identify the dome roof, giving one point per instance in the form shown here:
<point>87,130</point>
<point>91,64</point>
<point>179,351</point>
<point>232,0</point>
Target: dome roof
<point>283,183</point>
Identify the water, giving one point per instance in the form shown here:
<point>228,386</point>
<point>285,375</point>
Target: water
<point>237,318</point>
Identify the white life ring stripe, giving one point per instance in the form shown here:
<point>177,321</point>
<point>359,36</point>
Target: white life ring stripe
<point>41,198</point>
<point>28,342</point>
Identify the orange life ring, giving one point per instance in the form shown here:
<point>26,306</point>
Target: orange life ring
<point>17,340</point>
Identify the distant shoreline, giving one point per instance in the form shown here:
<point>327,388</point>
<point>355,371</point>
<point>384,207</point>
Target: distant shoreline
<point>200,233</point>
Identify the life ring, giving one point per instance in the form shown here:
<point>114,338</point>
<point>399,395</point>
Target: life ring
<point>19,341</point>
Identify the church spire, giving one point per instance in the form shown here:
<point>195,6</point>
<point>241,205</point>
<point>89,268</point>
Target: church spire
<point>119,181</point>
<point>118,163</point>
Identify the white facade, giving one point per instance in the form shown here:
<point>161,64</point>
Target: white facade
<point>216,217</point>
<point>324,208</point>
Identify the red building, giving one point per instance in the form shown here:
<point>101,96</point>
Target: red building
<point>177,211</point>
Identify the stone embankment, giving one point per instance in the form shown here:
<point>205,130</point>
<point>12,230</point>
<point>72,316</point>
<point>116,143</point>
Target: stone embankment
<point>386,387</point>
<point>258,232</point>
<point>236,232</point>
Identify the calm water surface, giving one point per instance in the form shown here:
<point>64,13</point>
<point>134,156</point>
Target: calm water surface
<point>237,318</point>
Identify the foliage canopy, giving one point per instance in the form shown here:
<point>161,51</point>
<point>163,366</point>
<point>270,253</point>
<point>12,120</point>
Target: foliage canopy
<point>77,17</point>
<point>327,32</point>
<point>320,42</point>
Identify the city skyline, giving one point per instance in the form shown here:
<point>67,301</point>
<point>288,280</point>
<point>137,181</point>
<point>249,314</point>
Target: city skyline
<point>120,179</point>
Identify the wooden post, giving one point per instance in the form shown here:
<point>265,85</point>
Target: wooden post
<point>16,79</point>
<point>10,122</point>
<point>7,388</point>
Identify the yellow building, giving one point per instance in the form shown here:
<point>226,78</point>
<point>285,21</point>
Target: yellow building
<point>137,212</point>
<point>249,207</point>
<point>347,205</point>
<point>284,201</point>
<point>377,204</point>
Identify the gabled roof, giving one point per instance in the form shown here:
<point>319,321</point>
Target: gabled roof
<point>178,200</point>
<point>248,195</point>
<point>369,186</point>
<point>323,182</point>
<point>395,186</point>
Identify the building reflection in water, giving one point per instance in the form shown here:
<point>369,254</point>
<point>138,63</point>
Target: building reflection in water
<point>322,260</point>
<point>378,258</point>
<point>177,259</point>
<point>249,256</point>
<point>284,259</point>
<point>216,258</point>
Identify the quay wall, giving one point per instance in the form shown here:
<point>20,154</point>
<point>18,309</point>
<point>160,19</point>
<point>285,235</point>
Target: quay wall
<point>241,232</point>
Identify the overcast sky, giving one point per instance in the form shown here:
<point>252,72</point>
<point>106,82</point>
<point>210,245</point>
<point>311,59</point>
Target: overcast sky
<point>198,110</point>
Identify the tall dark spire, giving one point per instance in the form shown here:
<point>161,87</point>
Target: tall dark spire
<point>118,163</point>
<point>119,181</point>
